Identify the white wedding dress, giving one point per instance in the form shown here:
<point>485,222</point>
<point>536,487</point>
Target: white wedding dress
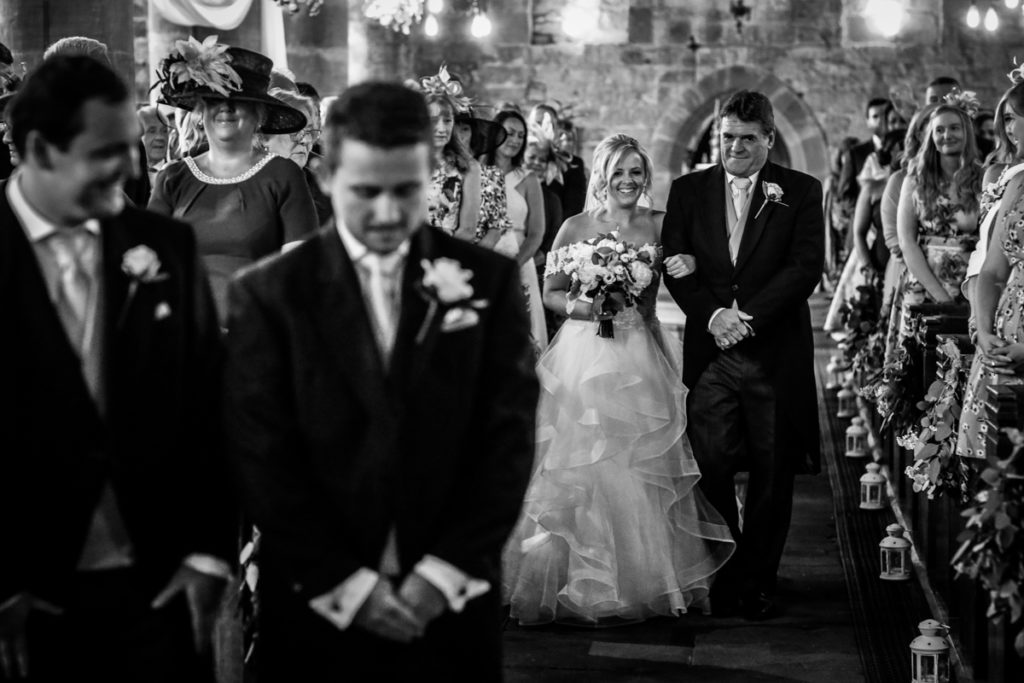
<point>614,528</point>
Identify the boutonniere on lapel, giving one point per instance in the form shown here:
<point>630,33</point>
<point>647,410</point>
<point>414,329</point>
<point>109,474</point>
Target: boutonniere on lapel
<point>142,266</point>
<point>445,284</point>
<point>772,193</point>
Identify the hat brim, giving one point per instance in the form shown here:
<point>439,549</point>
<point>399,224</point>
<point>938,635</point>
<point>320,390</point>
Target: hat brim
<point>487,135</point>
<point>281,118</point>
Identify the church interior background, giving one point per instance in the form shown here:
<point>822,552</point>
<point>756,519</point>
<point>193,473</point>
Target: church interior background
<point>658,70</point>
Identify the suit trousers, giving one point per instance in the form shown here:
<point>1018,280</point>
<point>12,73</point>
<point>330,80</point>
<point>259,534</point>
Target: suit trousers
<point>108,632</point>
<point>733,427</point>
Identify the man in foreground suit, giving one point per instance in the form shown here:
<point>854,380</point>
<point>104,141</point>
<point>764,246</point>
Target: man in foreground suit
<point>757,232</point>
<point>113,508</point>
<point>380,411</point>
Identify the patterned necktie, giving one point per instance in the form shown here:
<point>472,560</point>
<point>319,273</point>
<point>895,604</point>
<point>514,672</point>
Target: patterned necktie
<point>740,189</point>
<point>74,250</point>
<point>383,290</point>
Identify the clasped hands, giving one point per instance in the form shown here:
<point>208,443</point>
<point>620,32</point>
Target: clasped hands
<point>202,593</point>
<point>999,356</point>
<point>730,327</point>
<point>401,616</point>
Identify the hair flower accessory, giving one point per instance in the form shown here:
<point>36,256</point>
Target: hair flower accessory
<point>193,64</point>
<point>966,100</point>
<point>773,194</point>
<point>444,86</point>
<point>1017,75</point>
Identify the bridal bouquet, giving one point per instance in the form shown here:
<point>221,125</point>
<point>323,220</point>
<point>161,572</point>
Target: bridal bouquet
<point>606,270</point>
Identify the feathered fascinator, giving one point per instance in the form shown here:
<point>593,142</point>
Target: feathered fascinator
<point>543,135</point>
<point>1017,75</point>
<point>193,64</point>
<point>902,98</point>
<point>965,100</point>
<point>445,87</point>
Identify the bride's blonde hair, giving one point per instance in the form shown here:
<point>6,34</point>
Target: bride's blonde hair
<point>607,154</point>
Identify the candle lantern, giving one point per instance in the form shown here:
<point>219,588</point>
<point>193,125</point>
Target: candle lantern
<point>894,554</point>
<point>871,488</point>
<point>856,439</point>
<point>847,403</point>
<point>836,370</point>
<point>929,654</point>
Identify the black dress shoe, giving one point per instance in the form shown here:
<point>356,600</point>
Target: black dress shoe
<point>756,607</point>
<point>725,607</point>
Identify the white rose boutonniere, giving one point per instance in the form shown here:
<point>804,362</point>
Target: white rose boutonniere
<point>772,193</point>
<point>446,283</point>
<point>141,264</point>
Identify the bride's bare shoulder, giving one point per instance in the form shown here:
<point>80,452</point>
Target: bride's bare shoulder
<point>575,229</point>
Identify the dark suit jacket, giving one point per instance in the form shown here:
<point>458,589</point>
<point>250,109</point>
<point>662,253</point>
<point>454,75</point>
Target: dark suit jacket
<point>853,162</point>
<point>158,442</point>
<point>333,451</point>
<point>777,268</point>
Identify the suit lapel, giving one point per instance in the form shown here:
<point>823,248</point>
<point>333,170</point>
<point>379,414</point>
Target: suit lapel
<point>341,317</point>
<point>755,225</point>
<point>118,297</point>
<point>713,210</point>
<point>409,354</point>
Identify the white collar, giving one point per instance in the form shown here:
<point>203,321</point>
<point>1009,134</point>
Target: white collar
<point>357,250</point>
<point>729,177</point>
<point>36,226</point>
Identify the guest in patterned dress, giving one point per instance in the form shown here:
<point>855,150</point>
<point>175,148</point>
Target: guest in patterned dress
<point>896,270</point>
<point>937,218</point>
<point>481,137</point>
<point>453,199</point>
<point>242,202</point>
<point>1000,316</point>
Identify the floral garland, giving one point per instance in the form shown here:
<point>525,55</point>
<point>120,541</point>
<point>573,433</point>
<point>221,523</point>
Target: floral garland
<point>863,347</point>
<point>890,389</point>
<point>992,544</point>
<point>398,15</point>
<point>937,469</point>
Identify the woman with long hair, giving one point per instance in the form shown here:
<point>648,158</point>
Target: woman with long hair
<point>999,288</point>
<point>525,205</point>
<point>614,528</point>
<point>243,202</point>
<point>937,218</point>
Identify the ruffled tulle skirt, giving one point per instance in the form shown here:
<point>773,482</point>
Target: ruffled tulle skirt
<point>613,528</point>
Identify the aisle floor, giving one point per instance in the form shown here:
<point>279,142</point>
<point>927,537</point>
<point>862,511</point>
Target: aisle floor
<point>812,639</point>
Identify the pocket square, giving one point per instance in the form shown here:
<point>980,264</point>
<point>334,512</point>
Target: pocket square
<point>456,319</point>
<point>162,310</point>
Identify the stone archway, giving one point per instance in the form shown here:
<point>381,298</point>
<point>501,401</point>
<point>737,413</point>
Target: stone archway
<point>688,108</point>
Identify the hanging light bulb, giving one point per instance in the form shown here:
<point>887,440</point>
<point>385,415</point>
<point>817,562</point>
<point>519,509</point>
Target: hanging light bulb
<point>430,26</point>
<point>973,16</point>
<point>991,20</point>
<point>481,26</point>
<point>1011,4</point>
<point>435,6</point>
<point>578,22</point>
<point>886,16</point>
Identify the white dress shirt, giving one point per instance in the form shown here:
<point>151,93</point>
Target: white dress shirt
<point>750,195</point>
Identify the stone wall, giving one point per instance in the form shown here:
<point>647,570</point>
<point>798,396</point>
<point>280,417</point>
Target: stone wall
<point>635,73</point>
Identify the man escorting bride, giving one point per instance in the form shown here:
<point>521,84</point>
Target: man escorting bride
<point>614,526</point>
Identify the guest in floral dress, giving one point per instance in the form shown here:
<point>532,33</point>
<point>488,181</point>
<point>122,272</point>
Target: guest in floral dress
<point>1000,316</point>
<point>937,219</point>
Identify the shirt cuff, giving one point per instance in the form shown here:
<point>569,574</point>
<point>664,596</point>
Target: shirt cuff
<point>713,316</point>
<point>208,564</point>
<point>340,605</point>
<point>457,587</point>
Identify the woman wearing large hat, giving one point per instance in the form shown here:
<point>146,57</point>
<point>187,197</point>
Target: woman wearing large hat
<point>243,202</point>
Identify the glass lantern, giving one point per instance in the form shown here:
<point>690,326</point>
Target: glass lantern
<point>847,403</point>
<point>871,485</point>
<point>836,373</point>
<point>894,555</point>
<point>856,439</point>
<point>929,654</point>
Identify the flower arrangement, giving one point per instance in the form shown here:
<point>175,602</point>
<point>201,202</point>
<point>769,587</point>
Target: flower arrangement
<point>397,15</point>
<point>859,315</point>
<point>937,469</point>
<point>612,273</point>
<point>891,389</point>
<point>992,544</point>
<point>193,64</point>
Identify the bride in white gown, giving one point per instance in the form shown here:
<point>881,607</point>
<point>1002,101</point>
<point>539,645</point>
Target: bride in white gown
<point>614,528</point>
